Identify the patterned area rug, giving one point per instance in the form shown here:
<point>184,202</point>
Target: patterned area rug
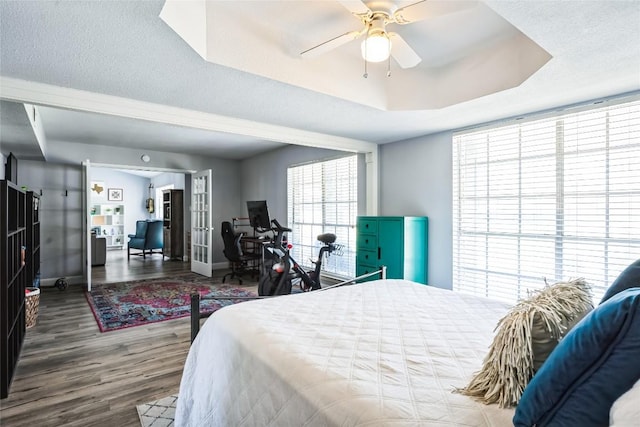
<point>126,304</point>
<point>160,413</point>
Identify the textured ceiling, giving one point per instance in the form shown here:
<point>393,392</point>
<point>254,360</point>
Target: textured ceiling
<point>90,128</point>
<point>124,49</point>
<point>483,55</point>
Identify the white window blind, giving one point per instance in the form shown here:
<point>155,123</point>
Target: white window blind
<point>323,198</point>
<point>555,198</point>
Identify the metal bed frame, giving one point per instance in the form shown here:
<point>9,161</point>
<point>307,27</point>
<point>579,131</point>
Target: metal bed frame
<point>196,315</point>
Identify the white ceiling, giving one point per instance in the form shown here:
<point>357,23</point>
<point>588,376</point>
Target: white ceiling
<point>124,49</point>
<point>468,49</point>
<point>91,128</point>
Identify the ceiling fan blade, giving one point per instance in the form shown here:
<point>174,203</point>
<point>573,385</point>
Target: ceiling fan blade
<point>404,55</point>
<point>430,9</point>
<point>355,6</point>
<point>330,44</point>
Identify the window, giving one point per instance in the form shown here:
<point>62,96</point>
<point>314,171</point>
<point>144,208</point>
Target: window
<point>323,198</point>
<point>554,198</point>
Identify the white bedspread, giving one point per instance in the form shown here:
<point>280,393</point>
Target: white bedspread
<point>380,353</point>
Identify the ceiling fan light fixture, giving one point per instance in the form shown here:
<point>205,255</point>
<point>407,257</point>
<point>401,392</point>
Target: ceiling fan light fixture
<point>376,47</point>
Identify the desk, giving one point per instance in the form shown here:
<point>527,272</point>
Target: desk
<point>255,245</point>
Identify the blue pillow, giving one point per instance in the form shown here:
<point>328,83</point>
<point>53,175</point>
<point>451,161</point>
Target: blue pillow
<point>629,278</point>
<point>593,365</point>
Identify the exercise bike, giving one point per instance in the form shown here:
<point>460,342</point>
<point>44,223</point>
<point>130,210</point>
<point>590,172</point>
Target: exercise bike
<point>278,276</point>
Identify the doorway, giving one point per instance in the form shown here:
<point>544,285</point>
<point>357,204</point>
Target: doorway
<point>158,198</point>
<point>136,187</point>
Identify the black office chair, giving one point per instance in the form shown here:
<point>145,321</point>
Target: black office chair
<point>233,252</point>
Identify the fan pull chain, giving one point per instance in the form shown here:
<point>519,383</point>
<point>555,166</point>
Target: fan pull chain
<point>389,66</point>
<point>389,58</point>
<point>366,74</point>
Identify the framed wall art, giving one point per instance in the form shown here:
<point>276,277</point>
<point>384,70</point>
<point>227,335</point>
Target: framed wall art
<point>114,194</point>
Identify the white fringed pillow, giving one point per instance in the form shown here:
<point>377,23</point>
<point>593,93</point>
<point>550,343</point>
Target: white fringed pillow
<point>524,339</point>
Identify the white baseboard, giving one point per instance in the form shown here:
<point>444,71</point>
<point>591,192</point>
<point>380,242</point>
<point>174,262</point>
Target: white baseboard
<point>220,265</point>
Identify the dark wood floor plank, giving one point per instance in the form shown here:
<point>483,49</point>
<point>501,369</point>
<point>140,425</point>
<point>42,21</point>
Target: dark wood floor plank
<point>71,374</point>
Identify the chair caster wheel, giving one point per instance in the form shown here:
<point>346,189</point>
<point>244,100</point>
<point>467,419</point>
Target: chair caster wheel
<point>61,284</point>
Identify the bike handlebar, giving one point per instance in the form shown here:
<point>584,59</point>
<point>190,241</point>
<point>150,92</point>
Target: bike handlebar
<point>279,227</point>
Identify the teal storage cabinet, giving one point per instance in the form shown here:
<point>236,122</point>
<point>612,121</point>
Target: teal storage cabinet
<point>398,242</point>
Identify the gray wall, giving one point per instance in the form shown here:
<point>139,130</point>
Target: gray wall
<point>225,198</point>
<point>416,179</point>
<point>61,215</point>
<point>3,159</point>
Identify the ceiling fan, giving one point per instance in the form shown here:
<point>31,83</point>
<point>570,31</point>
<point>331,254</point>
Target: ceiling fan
<point>375,15</point>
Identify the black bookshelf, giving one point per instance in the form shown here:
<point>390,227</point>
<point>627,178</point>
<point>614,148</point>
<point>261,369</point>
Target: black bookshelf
<point>13,279</point>
<point>33,239</point>
<point>173,227</point>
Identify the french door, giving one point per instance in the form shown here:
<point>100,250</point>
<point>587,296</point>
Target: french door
<point>86,167</point>
<point>201,230</point>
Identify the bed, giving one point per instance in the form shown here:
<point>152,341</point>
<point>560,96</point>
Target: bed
<point>385,352</point>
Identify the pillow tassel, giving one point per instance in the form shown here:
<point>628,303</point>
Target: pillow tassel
<point>509,364</point>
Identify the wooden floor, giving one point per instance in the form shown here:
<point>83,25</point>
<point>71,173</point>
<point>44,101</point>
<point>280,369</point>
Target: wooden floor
<point>71,374</point>
<point>119,269</point>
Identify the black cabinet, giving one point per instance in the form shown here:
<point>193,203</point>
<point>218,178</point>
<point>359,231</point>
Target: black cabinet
<point>173,223</point>
<point>13,279</point>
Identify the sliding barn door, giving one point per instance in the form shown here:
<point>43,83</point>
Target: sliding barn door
<point>201,230</point>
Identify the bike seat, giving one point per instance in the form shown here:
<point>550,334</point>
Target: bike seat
<point>327,238</point>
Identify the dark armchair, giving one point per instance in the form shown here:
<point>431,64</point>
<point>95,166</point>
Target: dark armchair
<point>233,252</point>
<point>147,238</point>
